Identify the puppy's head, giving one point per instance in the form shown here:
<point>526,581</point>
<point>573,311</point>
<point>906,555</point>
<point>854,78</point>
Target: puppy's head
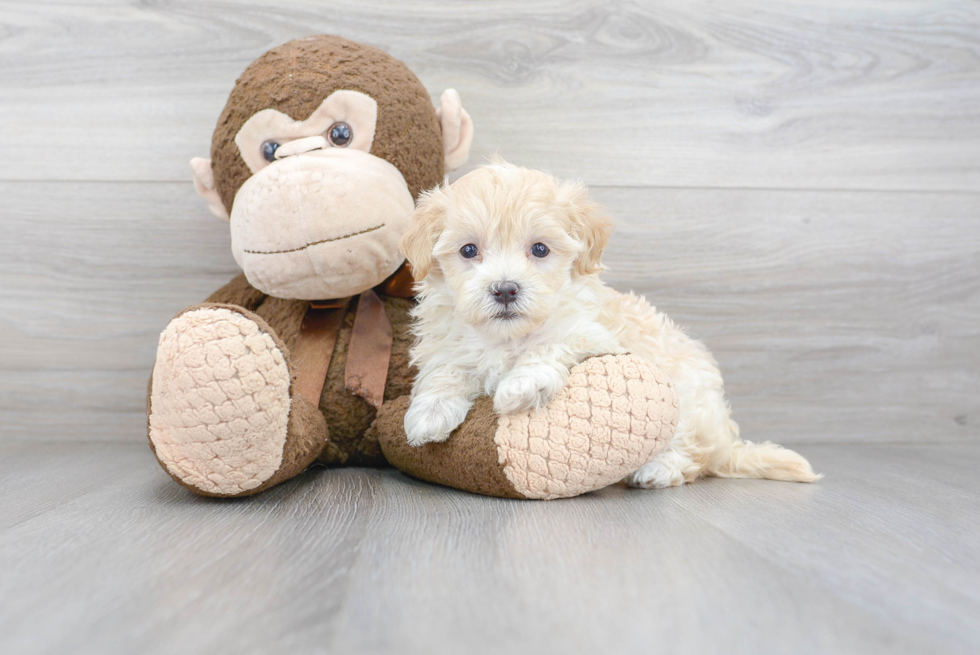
<point>505,241</point>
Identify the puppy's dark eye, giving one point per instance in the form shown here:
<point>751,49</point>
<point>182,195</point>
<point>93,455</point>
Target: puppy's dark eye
<point>539,250</point>
<point>469,251</point>
<point>269,151</point>
<point>340,135</point>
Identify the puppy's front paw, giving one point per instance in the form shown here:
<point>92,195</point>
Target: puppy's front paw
<point>429,420</point>
<point>527,388</point>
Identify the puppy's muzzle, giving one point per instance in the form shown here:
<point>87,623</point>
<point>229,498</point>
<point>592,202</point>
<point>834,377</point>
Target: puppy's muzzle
<point>505,292</point>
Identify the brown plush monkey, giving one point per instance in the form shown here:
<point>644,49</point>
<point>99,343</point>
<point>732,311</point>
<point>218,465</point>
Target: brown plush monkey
<point>316,160</point>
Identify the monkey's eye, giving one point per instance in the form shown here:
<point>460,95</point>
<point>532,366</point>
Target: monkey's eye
<point>469,251</point>
<point>340,135</point>
<point>269,150</point>
<point>539,250</point>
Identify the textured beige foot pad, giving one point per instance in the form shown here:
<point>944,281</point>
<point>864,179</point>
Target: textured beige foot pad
<point>614,414</point>
<point>219,402</point>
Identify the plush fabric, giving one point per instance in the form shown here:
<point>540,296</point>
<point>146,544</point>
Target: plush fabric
<point>294,79</point>
<point>219,401</point>
<point>298,231</point>
<point>348,416</point>
<point>359,111</point>
<point>204,185</point>
<point>223,414</point>
<point>469,460</point>
<point>457,129</point>
<point>614,415</point>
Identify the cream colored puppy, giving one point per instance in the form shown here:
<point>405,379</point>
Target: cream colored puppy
<point>510,298</point>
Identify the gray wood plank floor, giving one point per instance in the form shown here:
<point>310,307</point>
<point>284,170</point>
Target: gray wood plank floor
<point>104,554</point>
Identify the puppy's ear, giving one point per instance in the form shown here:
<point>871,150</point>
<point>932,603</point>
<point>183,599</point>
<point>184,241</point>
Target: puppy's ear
<point>427,225</point>
<point>590,224</point>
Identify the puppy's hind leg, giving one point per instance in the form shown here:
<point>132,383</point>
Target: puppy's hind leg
<point>675,464</point>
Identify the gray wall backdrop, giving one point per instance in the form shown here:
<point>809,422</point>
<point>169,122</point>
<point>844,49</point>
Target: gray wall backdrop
<point>798,182</point>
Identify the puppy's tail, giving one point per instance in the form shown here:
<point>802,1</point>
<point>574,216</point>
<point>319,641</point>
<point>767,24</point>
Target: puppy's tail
<point>765,460</point>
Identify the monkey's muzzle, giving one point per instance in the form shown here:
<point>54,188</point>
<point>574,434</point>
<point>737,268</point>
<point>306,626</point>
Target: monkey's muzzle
<point>321,224</point>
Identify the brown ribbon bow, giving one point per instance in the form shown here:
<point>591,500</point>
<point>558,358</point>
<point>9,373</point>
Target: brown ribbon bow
<point>369,351</point>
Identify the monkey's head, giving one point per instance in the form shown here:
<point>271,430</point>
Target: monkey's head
<point>317,160</point>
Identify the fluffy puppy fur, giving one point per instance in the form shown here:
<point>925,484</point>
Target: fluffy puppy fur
<point>481,232</point>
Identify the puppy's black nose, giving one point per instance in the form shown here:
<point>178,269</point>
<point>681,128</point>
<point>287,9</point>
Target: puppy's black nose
<point>505,292</point>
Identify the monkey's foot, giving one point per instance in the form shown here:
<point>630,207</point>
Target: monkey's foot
<point>219,411</point>
<point>613,415</point>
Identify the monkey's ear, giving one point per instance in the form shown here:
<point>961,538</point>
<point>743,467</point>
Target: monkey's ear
<point>419,241</point>
<point>590,224</point>
<point>204,185</point>
<point>457,129</point>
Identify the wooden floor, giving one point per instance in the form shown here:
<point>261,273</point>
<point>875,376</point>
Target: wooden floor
<point>102,553</point>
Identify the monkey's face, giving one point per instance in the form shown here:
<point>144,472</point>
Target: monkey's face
<point>320,217</point>
<point>320,179</point>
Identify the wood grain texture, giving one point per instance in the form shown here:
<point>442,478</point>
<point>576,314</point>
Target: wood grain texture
<point>754,93</point>
<point>835,316</point>
<point>90,274</point>
<point>101,552</point>
<point>797,182</point>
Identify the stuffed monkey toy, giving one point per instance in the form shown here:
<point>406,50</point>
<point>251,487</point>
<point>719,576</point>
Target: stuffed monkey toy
<point>316,162</point>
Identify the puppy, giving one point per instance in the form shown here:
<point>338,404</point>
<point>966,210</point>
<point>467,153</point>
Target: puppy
<point>509,298</point>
